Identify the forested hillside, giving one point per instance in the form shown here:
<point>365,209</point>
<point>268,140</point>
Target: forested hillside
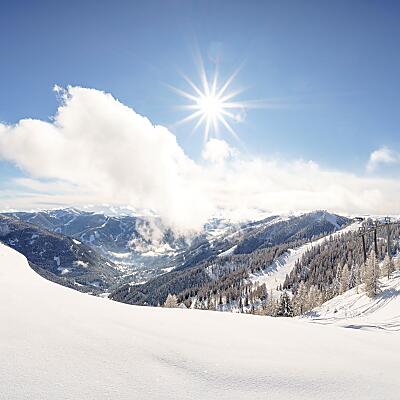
<point>337,265</point>
<point>222,282</point>
<point>329,265</point>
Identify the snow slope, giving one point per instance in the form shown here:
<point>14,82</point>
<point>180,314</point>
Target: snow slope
<point>275,274</point>
<point>56,343</point>
<point>354,309</point>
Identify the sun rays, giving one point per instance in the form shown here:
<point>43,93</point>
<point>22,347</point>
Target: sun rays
<point>212,104</point>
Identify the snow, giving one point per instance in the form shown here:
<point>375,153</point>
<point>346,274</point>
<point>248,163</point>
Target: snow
<point>56,343</point>
<point>120,255</point>
<point>332,219</point>
<point>81,263</point>
<point>64,271</point>
<point>353,309</point>
<point>275,274</point>
<point>228,252</point>
<point>158,250</point>
<point>168,269</point>
<point>73,218</point>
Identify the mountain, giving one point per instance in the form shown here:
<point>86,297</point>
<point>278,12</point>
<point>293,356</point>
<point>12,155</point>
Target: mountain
<point>284,267</point>
<point>219,268</point>
<point>221,238</point>
<point>56,343</point>
<point>144,247</point>
<point>58,257</point>
<point>140,246</point>
<point>115,235</point>
<point>305,226</point>
<point>153,261</point>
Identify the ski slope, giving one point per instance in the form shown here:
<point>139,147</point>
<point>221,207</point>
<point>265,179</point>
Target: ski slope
<point>354,309</point>
<point>275,274</point>
<point>56,343</point>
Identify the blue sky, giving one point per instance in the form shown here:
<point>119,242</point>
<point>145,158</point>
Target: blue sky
<point>332,66</point>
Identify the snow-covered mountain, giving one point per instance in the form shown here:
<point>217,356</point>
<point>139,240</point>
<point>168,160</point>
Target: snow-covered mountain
<point>275,274</point>
<point>58,343</point>
<point>143,247</point>
<point>126,239</point>
<point>213,265</point>
<point>58,257</point>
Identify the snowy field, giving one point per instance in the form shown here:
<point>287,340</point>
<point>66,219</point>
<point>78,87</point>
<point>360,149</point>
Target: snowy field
<point>354,309</point>
<point>56,343</point>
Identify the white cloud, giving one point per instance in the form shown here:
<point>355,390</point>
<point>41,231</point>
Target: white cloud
<point>96,151</point>
<point>112,154</point>
<point>383,155</point>
<point>217,151</point>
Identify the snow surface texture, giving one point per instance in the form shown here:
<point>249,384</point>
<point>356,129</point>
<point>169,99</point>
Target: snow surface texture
<point>275,274</point>
<point>354,309</point>
<point>56,343</point>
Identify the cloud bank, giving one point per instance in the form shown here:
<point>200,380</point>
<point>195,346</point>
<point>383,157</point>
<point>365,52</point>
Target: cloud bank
<point>97,150</point>
<point>108,153</point>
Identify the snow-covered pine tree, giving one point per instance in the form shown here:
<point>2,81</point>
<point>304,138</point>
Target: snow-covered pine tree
<point>314,298</point>
<point>240,304</point>
<point>285,308</point>
<point>344,279</point>
<point>353,278</point>
<point>300,299</point>
<point>271,306</point>
<point>337,280</point>
<point>371,275</point>
<point>171,301</point>
<point>387,267</point>
<point>211,304</point>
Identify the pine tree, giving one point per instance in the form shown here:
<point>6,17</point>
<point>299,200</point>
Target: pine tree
<point>171,301</point>
<point>353,278</point>
<point>397,263</point>
<point>314,298</point>
<point>371,275</point>
<point>246,301</point>
<point>271,306</point>
<point>387,267</point>
<point>337,280</point>
<point>300,300</point>
<point>240,304</point>
<point>285,308</point>
<point>344,279</point>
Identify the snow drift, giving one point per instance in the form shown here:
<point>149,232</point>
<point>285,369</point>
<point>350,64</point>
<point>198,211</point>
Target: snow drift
<point>354,309</point>
<point>56,343</point>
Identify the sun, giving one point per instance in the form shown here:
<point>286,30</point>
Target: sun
<point>212,104</point>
